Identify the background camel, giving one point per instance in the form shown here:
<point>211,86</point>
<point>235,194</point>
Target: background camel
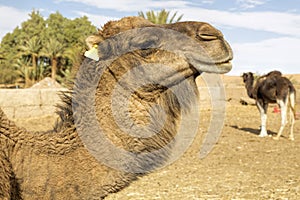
<point>57,164</point>
<point>272,88</point>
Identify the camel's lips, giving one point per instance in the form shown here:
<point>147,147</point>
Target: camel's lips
<point>219,68</point>
<point>227,66</point>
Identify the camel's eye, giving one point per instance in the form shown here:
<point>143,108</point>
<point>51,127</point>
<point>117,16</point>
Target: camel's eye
<point>207,37</point>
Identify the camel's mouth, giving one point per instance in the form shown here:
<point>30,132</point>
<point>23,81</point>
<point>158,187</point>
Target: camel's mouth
<point>219,68</point>
<point>226,66</point>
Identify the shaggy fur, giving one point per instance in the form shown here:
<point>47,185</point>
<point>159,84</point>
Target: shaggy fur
<point>57,165</point>
<point>272,88</point>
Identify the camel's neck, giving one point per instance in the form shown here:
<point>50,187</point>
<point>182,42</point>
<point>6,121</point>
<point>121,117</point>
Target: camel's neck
<point>249,86</point>
<point>41,142</point>
<point>8,128</point>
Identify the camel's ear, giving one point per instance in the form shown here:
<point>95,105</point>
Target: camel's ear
<point>93,40</point>
<point>245,75</point>
<point>248,74</point>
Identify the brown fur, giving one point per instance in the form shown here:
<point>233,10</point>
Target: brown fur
<point>56,164</point>
<point>272,88</point>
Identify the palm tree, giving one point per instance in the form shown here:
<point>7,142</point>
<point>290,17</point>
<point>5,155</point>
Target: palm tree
<point>25,71</point>
<point>32,48</point>
<point>74,57</point>
<point>1,57</point>
<point>161,17</point>
<point>53,50</point>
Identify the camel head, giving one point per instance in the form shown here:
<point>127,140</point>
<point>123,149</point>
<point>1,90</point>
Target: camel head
<point>215,54</point>
<point>142,88</point>
<point>247,77</point>
<point>202,45</point>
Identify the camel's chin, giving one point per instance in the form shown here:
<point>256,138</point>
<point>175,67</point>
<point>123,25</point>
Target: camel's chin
<point>219,68</point>
<point>226,67</point>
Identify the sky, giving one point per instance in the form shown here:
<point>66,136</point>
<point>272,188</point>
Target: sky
<point>264,34</point>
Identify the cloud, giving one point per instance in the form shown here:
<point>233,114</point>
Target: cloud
<point>246,4</point>
<point>280,53</point>
<point>275,22</point>
<point>97,20</point>
<point>132,5</point>
<point>10,19</point>
<point>207,1</point>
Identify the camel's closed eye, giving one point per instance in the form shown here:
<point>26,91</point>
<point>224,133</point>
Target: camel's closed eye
<point>206,37</point>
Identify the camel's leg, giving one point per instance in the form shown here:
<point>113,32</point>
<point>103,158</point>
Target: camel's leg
<point>292,97</point>
<point>263,116</point>
<point>292,121</point>
<point>283,107</point>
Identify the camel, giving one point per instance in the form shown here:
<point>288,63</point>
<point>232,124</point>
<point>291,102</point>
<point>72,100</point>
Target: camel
<point>142,69</point>
<point>272,88</point>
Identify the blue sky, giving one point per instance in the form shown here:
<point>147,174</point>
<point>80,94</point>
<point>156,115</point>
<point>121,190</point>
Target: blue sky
<point>264,34</point>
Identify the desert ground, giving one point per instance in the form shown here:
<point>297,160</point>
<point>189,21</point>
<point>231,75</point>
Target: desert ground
<point>240,166</point>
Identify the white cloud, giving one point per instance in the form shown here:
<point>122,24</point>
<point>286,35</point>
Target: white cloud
<point>132,5</point>
<point>208,1</point>
<point>10,19</point>
<point>97,20</point>
<point>267,55</point>
<point>246,4</point>
<point>276,22</point>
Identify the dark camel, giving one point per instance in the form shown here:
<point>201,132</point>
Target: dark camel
<point>272,88</point>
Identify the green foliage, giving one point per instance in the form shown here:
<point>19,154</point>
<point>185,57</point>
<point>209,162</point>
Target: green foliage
<point>53,50</point>
<point>43,47</point>
<point>161,17</point>
<point>7,74</point>
<point>8,47</point>
<point>33,27</point>
<point>31,49</point>
<point>25,71</point>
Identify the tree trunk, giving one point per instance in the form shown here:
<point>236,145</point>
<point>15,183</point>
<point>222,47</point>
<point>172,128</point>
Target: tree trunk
<point>53,68</point>
<point>26,79</point>
<point>34,64</point>
<point>27,84</point>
